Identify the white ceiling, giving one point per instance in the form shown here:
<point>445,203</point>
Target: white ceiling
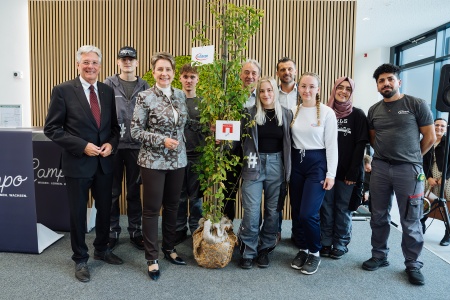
<point>395,21</point>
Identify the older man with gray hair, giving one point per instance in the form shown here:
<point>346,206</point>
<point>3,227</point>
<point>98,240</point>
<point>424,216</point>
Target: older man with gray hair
<point>250,74</point>
<point>82,120</point>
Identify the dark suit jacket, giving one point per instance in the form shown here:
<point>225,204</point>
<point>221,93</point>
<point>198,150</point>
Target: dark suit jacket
<point>71,125</point>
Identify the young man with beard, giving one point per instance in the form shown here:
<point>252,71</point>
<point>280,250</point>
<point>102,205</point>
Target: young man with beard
<point>286,72</point>
<point>395,126</point>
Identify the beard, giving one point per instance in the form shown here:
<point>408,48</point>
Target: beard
<point>388,94</point>
<point>287,79</point>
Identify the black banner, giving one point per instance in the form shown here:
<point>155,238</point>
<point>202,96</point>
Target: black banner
<point>18,231</point>
<point>52,205</point>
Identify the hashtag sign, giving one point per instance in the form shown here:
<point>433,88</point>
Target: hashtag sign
<point>252,160</point>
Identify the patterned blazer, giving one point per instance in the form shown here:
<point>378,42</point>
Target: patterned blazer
<point>153,121</point>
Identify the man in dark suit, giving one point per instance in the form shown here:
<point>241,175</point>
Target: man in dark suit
<point>82,120</point>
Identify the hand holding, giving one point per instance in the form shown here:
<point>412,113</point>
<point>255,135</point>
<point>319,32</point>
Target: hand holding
<point>92,150</point>
<point>432,182</point>
<point>171,143</point>
<point>106,150</point>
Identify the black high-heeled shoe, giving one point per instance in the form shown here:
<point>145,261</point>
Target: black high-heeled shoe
<point>155,274</point>
<point>176,261</point>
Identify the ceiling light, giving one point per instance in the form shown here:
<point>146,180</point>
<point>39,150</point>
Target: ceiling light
<point>366,19</point>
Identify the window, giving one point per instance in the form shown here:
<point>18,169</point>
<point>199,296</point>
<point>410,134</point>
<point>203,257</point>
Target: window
<point>443,43</point>
<point>418,81</point>
<point>418,52</point>
<point>421,60</point>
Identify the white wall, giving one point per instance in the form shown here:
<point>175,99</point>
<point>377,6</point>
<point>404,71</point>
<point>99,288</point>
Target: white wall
<point>366,93</point>
<point>14,52</point>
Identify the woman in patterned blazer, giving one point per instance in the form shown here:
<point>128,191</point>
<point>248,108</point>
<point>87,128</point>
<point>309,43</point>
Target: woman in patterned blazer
<point>158,123</point>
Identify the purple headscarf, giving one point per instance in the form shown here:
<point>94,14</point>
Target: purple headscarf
<point>342,109</point>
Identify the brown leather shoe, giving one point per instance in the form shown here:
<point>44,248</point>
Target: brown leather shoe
<point>108,257</point>
<point>82,272</point>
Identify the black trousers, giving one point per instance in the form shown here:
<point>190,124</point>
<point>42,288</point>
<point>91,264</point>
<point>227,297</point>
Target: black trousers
<point>78,193</point>
<point>232,185</point>
<point>126,158</point>
<point>161,188</point>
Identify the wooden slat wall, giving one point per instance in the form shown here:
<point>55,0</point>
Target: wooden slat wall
<point>318,35</point>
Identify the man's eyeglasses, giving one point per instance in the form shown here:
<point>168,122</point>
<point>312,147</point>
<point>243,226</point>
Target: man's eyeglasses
<point>87,63</point>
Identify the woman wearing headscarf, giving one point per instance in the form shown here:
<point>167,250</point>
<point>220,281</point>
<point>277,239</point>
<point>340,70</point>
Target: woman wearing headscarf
<point>353,135</point>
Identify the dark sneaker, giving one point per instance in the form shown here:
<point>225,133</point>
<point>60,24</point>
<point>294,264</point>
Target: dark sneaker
<point>299,260</point>
<point>180,236</point>
<point>246,263</point>
<point>337,253</point>
<point>374,263</point>
<point>325,251</point>
<point>415,276</point>
<point>263,259</point>
<point>445,240</point>
<point>138,242</point>
<point>311,265</point>
<point>113,243</point>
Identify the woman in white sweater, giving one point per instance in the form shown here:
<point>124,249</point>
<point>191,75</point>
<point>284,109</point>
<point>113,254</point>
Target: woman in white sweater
<point>314,163</point>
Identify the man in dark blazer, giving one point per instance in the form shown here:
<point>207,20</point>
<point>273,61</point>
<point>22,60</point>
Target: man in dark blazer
<point>88,138</point>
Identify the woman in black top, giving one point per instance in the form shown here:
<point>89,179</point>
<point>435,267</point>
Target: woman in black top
<point>353,135</point>
<point>267,163</point>
<point>433,162</point>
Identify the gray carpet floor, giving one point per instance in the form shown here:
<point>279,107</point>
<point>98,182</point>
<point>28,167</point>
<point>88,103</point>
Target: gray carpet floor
<point>50,275</point>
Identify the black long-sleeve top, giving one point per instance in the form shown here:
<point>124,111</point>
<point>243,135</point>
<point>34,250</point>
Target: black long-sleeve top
<point>439,151</point>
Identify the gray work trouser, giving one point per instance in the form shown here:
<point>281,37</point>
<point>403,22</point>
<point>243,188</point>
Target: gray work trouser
<point>401,179</point>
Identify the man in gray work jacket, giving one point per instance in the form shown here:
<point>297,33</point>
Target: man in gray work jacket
<point>126,87</point>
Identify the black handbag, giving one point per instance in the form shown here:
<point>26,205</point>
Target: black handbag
<point>357,196</point>
<point>282,196</point>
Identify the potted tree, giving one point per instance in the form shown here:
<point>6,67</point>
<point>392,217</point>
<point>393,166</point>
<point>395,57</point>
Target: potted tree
<point>223,97</point>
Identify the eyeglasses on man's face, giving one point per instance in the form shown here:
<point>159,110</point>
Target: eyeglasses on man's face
<point>88,62</point>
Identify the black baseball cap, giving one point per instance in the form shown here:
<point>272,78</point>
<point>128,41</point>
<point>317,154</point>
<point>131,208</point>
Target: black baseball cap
<point>127,52</point>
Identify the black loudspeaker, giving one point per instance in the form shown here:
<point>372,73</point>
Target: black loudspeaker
<point>443,96</point>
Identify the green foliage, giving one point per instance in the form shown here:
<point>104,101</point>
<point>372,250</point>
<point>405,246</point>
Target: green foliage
<point>223,95</point>
<point>179,62</point>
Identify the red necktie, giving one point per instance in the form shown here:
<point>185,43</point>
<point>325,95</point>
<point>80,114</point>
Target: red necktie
<point>95,108</point>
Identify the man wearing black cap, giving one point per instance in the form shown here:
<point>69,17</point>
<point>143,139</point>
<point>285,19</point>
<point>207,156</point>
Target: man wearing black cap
<point>126,87</point>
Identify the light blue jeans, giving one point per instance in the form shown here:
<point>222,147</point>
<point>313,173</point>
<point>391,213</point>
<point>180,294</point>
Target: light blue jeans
<point>254,238</point>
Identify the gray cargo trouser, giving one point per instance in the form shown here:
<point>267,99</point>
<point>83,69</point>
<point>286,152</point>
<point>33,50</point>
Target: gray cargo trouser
<point>400,179</point>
